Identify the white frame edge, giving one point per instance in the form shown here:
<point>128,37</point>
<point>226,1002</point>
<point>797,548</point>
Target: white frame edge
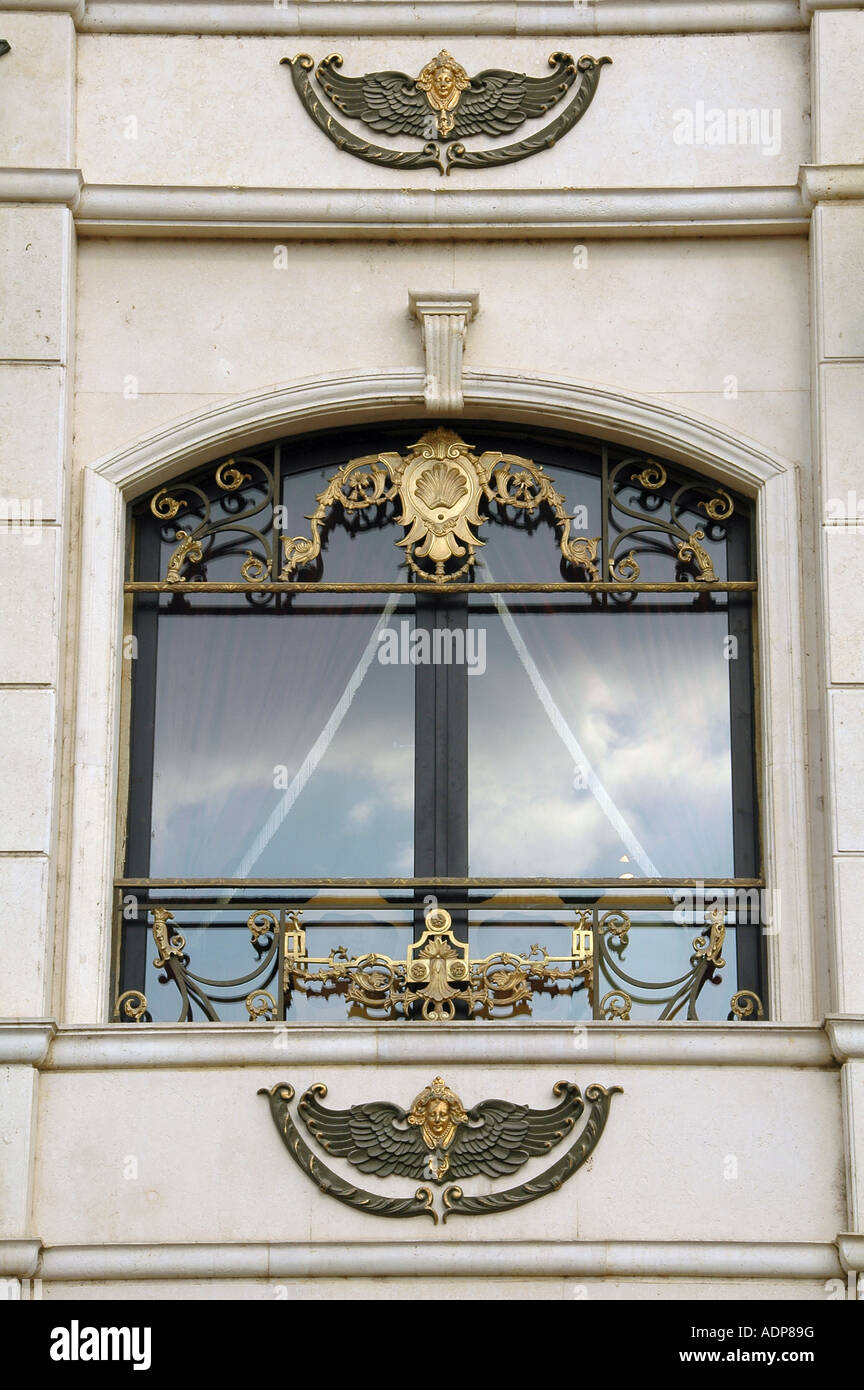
<point>348,399</point>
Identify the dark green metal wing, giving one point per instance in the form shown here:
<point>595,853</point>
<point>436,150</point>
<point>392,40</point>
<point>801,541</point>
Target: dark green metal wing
<point>498,101</point>
<point>387,101</point>
<point>500,1137</point>
<point>373,1137</point>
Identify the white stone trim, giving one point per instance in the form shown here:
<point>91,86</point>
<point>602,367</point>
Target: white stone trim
<point>168,1045</point>
<point>811,7</point>
<point>26,1041</point>
<point>41,186</point>
<point>448,17</point>
<point>820,183</point>
<point>438,214</point>
<point>444,316</point>
<point>846,1036</point>
<point>19,1259</point>
<point>172,210</point>
<point>681,435</point>
<point>851,1249</point>
<point>445,1259</point>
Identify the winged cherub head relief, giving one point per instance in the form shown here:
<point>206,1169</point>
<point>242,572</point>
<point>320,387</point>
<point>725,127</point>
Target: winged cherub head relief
<point>443,80</point>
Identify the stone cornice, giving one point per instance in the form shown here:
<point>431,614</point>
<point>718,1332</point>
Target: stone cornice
<point>638,1259</point>
<point>161,1045</point>
<point>361,18</point>
<point>25,1043</point>
<point>422,214</point>
<point>820,183</point>
<point>846,1036</point>
<point>41,186</point>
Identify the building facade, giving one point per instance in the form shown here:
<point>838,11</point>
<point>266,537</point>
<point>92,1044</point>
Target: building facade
<point>342,346</point>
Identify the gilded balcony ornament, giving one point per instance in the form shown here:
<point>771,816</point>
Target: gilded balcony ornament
<point>254,568</point>
<point>438,973</point>
<point>132,1005</point>
<point>444,104</point>
<point>438,980</point>
<point>710,948</point>
<point>438,1138</point>
<point>616,1004</point>
<point>169,942</point>
<point>260,1004</point>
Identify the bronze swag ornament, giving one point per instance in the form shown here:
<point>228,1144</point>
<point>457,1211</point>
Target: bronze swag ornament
<point>438,1139</point>
<point>444,104</point>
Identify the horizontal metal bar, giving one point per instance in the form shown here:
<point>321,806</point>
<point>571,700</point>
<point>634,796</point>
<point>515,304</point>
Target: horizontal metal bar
<point>466,883</point>
<point>390,911</point>
<point>598,586</point>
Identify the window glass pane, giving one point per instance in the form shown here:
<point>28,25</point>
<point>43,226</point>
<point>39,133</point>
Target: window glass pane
<point>600,738</point>
<point>281,746</point>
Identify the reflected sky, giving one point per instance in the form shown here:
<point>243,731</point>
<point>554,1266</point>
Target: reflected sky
<point>645,696</point>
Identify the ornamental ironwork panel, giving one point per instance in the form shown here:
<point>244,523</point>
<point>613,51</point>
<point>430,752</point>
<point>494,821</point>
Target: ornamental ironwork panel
<point>437,980</point>
<point>443,494</point>
<point>437,1139</point>
<point>444,104</point>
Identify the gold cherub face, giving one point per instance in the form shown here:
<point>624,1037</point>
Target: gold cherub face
<point>438,1118</point>
<point>443,80</point>
<point>438,1112</point>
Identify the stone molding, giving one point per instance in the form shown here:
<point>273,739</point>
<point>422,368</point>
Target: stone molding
<point>822,183</point>
<point>26,1042</point>
<point>180,210</point>
<point>846,1036</point>
<point>851,1248</point>
<point>443,1259</point>
<point>170,1045</point>
<point>362,18</point>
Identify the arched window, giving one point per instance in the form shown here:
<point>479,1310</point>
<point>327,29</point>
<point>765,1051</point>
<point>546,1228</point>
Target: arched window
<point>427,723</point>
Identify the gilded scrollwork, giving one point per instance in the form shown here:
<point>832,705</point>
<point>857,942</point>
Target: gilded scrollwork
<point>440,485</point>
<point>219,518</point>
<point>691,550</point>
<point>658,514</point>
<point>653,475</point>
<point>745,1003</point>
<point>261,1004</point>
<point>443,493</point>
<point>438,973</point>
<point>132,1005</point>
<point>719,508</point>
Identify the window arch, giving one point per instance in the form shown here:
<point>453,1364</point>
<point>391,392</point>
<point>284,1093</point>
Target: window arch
<point>512,675</point>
